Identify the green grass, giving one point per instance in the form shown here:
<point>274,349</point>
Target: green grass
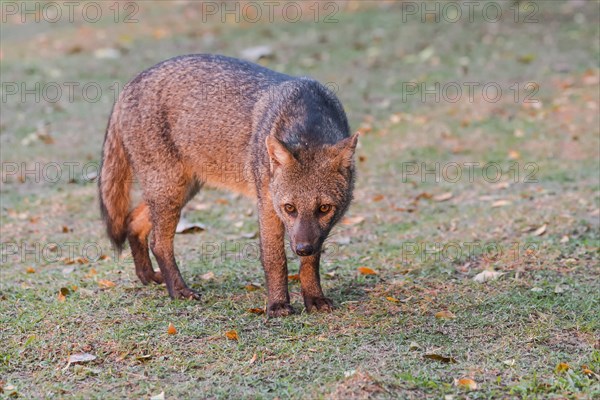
<point>508,335</point>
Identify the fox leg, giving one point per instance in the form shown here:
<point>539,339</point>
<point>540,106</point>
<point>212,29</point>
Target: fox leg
<point>274,261</point>
<point>165,208</point>
<point>310,285</point>
<point>138,229</point>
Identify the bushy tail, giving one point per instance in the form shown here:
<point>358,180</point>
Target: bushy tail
<point>114,184</point>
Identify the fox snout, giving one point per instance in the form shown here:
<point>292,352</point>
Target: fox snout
<point>306,238</point>
<point>304,249</point>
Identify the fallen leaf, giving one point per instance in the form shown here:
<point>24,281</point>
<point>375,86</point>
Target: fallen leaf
<point>30,270</point>
<point>510,362</point>
<point>256,310</point>
<point>81,358</point>
<point>366,271</point>
<point>63,293</point>
<point>208,276</point>
<point>540,231</point>
<point>414,346</point>
<point>438,357</point>
<point>65,229</point>
<point>294,277</point>
<point>160,396</point>
<point>92,272</point>
<point>377,198</point>
<point>466,383</point>
<point>231,335</point>
<point>562,367</point>
<point>487,275</point>
<point>253,359</point>
<point>443,197</point>
<point>352,220</point>
<point>184,226</point>
<point>500,203</point>
<point>251,287</point>
<point>256,53</point>
<point>445,315</point>
<point>106,284</point>
<point>171,330</point>
<point>392,299</point>
<point>564,239</point>
<point>514,155</point>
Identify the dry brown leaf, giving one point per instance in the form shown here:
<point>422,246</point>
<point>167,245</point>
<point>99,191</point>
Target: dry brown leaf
<point>256,311</point>
<point>171,330</point>
<point>514,155</point>
<point>81,357</point>
<point>443,197</point>
<point>540,231</point>
<point>438,357</point>
<point>253,359</point>
<point>445,315</point>
<point>486,276</point>
<point>208,276</point>
<point>231,335</point>
<point>562,367</point>
<point>377,198</point>
<point>63,293</point>
<point>392,299</point>
<point>294,277</point>
<point>30,270</point>
<point>92,272</point>
<point>352,220</point>
<point>366,271</point>
<point>251,287</point>
<point>106,284</point>
<point>466,383</point>
<point>501,203</point>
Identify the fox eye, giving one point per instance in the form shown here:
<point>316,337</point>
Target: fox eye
<point>325,208</point>
<point>290,209</point>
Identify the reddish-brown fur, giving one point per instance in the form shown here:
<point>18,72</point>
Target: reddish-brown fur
<point>229,124</point>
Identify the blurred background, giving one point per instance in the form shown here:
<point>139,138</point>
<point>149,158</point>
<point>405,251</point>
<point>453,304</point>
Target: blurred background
<point>480,125</point>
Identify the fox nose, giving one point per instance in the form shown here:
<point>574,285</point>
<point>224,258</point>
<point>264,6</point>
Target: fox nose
<point>304,249</point>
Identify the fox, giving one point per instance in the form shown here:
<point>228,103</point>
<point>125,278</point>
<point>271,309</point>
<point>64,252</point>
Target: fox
<point>188,122</point>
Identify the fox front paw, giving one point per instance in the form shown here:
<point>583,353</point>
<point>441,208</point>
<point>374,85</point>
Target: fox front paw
<point>184,293</point>
<point>279,310</point>
<point>322,304</point>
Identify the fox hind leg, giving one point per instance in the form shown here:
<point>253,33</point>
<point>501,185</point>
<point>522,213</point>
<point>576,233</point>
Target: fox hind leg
<point>165,209</point>
<point>139,226</point>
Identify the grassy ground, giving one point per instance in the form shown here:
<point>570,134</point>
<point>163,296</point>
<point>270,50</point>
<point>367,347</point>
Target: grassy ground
<point>529,210</point>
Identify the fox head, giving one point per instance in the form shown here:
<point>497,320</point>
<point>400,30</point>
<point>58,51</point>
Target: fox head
<point>311,189</point>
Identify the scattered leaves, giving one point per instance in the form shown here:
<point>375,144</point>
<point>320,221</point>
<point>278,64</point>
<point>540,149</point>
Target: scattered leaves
<point>352,220</point>
<point>443,197</point>
<point>106,284</point>
<point>231,335</point>
<point>487,275</point>
<point>63,293</point>
<point>80,358</point>
<point>171,330</point>
<point>366,271</point>
<point>184,226</point>
<point>208,276</point>
<point>540,231</point>
<point>562,367</point>
<point>466,383</point>
<point>251,287</point>
<point>445,315</point>
<point>440,358</point>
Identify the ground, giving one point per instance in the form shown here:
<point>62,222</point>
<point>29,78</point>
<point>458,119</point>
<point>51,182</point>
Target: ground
<point>411,320</point>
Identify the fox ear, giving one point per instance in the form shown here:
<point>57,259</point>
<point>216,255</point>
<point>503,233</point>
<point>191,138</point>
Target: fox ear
<point>346,149</point>
<point>279,155</point>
